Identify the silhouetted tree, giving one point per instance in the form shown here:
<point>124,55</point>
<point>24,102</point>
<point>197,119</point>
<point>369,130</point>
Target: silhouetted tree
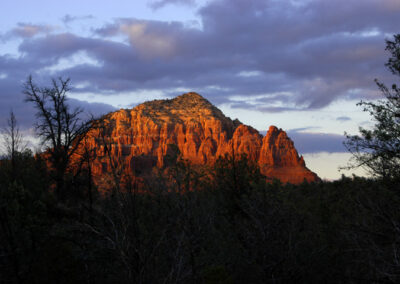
<point>60,128</point>
<point>13,142</point>
<point>23,217</point>
<point>378,149</point>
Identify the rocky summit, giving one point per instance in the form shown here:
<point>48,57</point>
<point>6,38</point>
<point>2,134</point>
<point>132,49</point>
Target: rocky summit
<point>189,126</point>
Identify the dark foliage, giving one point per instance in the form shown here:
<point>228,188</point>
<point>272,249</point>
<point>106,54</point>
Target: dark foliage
<point>378,149</point>
<point>233,227</point>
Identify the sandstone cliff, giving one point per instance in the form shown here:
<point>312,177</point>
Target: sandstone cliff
<point>149,134</point>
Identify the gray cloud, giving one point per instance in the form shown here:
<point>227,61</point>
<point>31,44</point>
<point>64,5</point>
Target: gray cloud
<point>11,86</point>
<point>67,19</point>
<point>90,109</point>
<point>307,142</point>
<point>343,118</point>
<point>313,142</point>
<point>316,61</point>
<point>274,55</point>
<point>25,30</point>
<point>161,3</point>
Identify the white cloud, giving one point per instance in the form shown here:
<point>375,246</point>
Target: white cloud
<point>76,59</point>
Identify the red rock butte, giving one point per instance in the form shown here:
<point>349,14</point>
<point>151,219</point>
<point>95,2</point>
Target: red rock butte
<point>145,136</point>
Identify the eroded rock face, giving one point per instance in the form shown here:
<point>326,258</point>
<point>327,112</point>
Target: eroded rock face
<point>152,133</point>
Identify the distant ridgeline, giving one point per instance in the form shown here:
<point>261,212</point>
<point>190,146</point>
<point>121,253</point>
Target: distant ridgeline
<point>190,127</point>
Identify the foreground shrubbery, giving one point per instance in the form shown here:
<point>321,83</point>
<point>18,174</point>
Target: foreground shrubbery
<point>233,228</point>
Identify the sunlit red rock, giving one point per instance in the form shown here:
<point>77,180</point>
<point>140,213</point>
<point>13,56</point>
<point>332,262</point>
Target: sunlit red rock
<point>149,134</point>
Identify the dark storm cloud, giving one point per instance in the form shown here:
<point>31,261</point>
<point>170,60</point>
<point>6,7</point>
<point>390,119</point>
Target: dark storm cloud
<point>313,52</point>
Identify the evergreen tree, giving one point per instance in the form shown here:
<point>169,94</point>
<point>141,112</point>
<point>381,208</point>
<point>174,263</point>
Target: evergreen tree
<point>378,149</point>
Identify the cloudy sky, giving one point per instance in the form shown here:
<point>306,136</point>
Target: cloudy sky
<point>301,65</point>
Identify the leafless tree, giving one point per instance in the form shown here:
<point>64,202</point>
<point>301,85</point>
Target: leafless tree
<point>60,128</point>
<point>13,142</point>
